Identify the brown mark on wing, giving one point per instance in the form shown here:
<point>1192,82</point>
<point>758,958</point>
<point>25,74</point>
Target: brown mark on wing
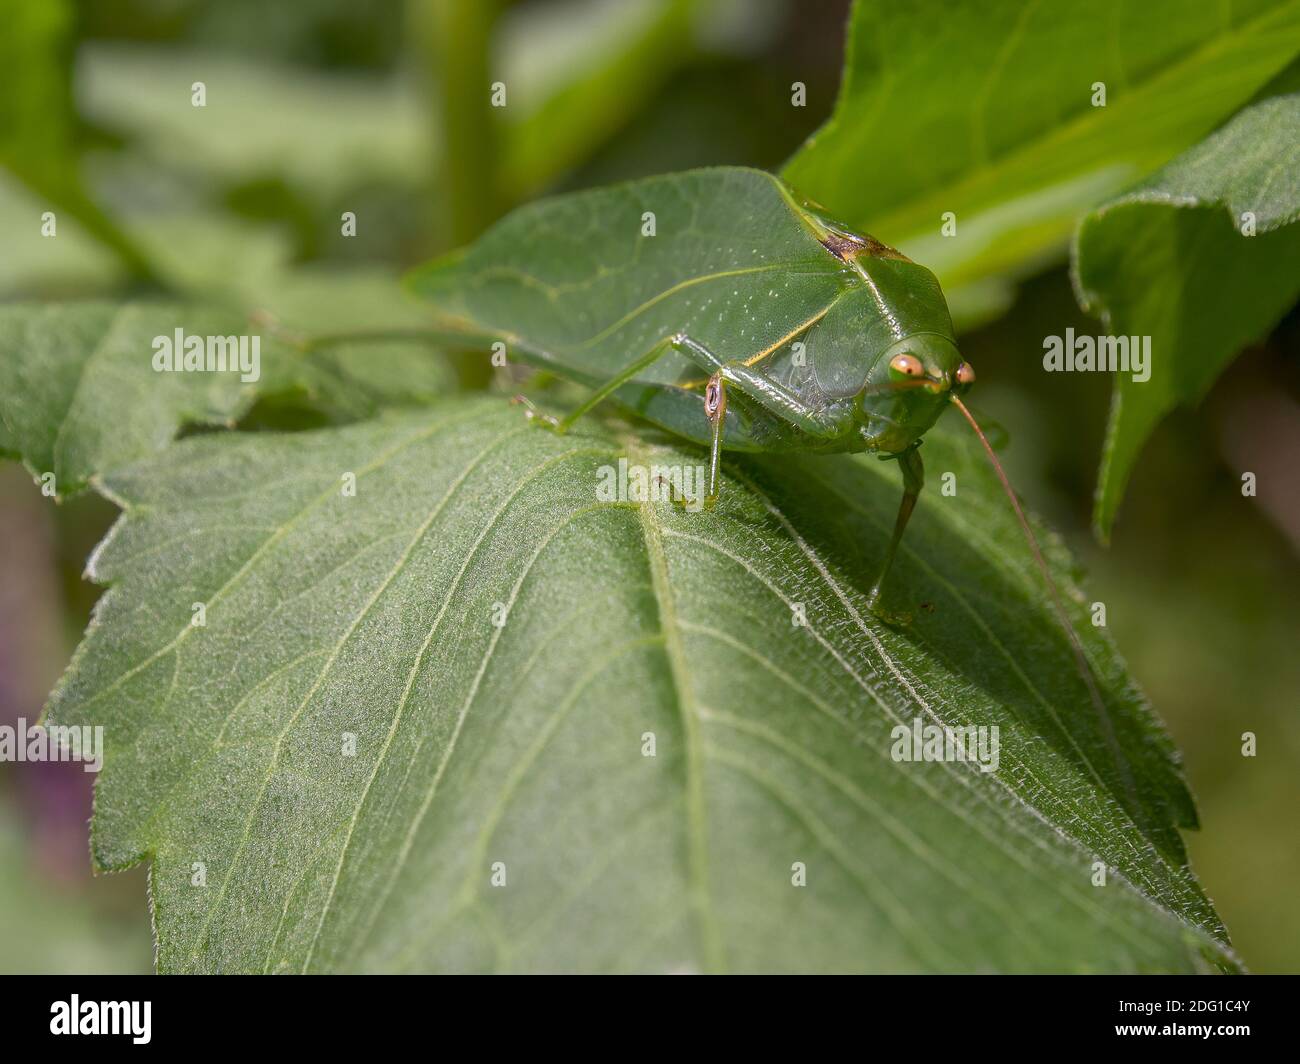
<point>846,246</point>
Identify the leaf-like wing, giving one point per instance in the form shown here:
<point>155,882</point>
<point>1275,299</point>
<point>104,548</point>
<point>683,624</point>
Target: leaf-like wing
<point>593,280</point>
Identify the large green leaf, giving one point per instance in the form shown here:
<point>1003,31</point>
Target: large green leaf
<point>79,394</point>
<point>733,261</point>
<point>500,647</point>
<point>985,110</point>
<point>1203,258</point>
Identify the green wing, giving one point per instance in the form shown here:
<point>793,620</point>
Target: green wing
<point>577,283</point>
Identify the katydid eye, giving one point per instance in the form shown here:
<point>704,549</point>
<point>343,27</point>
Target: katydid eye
<point>965,375</point>
<point>907,365</point>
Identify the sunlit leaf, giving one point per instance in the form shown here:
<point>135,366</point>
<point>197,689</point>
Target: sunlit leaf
<point>987,111</point>
<point>1203,259</point>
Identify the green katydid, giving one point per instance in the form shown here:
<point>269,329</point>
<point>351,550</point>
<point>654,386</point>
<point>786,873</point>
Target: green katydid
<point>720,306</point>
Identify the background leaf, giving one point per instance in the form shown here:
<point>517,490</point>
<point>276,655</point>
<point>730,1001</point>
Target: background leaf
<point>63,929</point>
<point>79,395</point>
<point>985,110</point>
<point>38,125</point>
<point>75,263</point>
<point>1170,261</point>
<point>575,93</point>
<point>372,616</point>
<point>329,134</point>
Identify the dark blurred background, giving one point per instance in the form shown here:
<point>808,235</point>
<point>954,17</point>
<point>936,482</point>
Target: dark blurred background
<point>326,108</point>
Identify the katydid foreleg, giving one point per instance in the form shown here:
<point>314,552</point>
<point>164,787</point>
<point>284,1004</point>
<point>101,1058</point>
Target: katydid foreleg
<point>754,385</point>
<point>913,470</point>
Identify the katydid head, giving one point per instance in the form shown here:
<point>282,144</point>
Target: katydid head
<point>908,388</point>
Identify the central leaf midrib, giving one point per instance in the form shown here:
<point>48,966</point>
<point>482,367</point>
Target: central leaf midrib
<point>712,950</point>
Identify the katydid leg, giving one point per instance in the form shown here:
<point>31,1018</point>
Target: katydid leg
<point>715,409</point>
<point>913,478</point>
<point>562,424</point>
<point>754,385</point>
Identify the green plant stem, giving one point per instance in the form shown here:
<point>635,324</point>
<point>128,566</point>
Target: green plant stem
<point>456,41</point>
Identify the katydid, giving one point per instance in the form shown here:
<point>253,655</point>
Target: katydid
<point>720,306</point>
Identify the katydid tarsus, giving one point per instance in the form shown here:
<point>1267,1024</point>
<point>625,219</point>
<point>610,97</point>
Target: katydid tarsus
<point>721,306</point>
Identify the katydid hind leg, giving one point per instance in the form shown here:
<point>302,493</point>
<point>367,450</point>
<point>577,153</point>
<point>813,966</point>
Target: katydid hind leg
<point>913,470</point>
<point>562,425</point>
